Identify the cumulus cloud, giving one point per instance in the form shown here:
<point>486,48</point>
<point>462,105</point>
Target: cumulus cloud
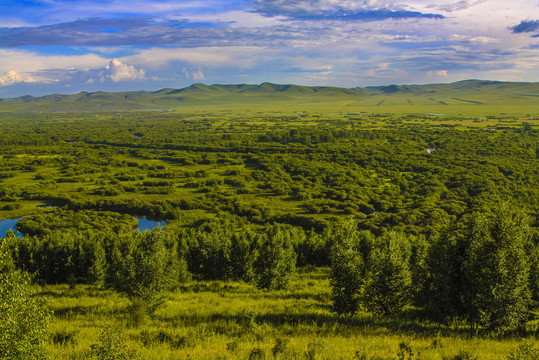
<point>195,74</point>
<point>36,72</point>
<point>116,71</point>
<point>525,26</point>
<point>12,77</point>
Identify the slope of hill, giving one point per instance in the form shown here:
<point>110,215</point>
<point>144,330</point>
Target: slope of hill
<point>468,94</point>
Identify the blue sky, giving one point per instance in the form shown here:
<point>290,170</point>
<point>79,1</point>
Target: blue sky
<point>67,46</point>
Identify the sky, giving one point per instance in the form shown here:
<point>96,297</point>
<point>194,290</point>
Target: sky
<point>68,46</point>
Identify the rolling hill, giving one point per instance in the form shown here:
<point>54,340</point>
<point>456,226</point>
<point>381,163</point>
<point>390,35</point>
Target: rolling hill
<point>469,95</point>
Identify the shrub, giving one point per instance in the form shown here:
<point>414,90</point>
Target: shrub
<point>23,317</point>
<point>111,346</point>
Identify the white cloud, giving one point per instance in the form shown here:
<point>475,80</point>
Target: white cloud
<point>12,77</point>
<point>472,39</point>
<point>211,56</point>
<point>196,74</point>
<point>28,62</point>
<point>116,71</point>
<point>238,19</point>
<point>455,5</point>
<point>438,73</point>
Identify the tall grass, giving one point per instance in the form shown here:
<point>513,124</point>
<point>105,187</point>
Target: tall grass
<point>233,320</point>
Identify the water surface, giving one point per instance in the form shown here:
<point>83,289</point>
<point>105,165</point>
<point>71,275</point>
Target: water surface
<point>9,224</point>
<point>145,224</point>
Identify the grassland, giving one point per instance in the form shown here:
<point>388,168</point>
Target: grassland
<point>233,320</point>
<point>471,97</point>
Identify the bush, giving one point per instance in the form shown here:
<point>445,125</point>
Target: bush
<point>23,317</point>
<point>111,346</point>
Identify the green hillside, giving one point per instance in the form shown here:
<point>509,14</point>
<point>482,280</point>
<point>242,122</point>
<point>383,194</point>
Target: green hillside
<point>470,96</point>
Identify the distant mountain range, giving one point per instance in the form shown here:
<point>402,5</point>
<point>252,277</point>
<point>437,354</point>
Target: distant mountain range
<point>468,92</point>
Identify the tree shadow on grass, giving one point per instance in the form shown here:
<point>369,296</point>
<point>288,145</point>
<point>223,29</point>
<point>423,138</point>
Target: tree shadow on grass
<point>68,311</point>
<point>411,324</point>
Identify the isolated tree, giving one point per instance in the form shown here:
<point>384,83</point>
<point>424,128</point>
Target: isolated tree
<point>23,317</point>
<point>497,269</point>
<point>276,260</point>
<point>389,280</point>
<point>147,268</point>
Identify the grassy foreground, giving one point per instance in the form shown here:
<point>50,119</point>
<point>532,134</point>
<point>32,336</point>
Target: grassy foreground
<point>233,320</point>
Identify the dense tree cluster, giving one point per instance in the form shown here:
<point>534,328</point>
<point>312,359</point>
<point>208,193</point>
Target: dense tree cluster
<point>482,271</point>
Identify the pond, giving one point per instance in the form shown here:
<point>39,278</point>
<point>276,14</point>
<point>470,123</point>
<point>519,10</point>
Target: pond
<point>9,224</point>
<point>143,225</point>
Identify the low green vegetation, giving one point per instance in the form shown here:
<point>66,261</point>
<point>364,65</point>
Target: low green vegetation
<point>309,234</point>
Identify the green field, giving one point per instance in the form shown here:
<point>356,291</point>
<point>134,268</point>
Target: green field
<point>468,98</point>
<point>231,320</point>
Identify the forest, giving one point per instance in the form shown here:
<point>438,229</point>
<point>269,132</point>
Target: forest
<point>302,234</point>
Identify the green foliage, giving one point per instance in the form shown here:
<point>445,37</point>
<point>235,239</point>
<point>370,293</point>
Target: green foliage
<point>23,317</point>
<point>444,285</point>
<point>347,275</point>
<point>242,255</point>
<point>406,352</point>
<point>534,271</point>
<point>480,271</point>
<point>98,269</point>
<point>497,268</point>
<point>525,351</point>
<point>389,279</point>
<point>276,260</point>
<point>147,268</point>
